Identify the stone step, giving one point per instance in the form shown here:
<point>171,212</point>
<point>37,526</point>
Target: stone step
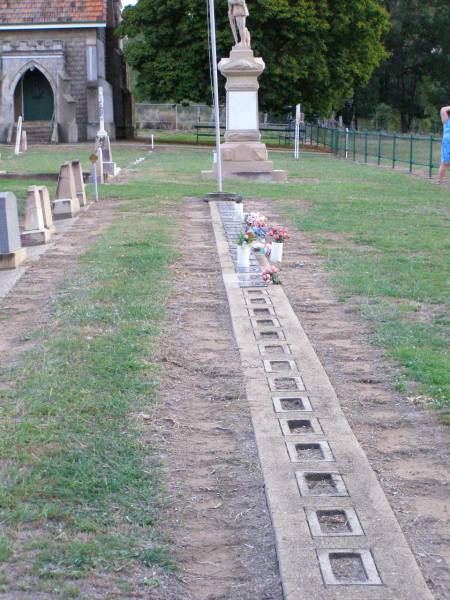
<point>38,132</point>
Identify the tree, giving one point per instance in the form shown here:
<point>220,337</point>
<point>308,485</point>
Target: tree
<point>316,52</point>
<point>414,80</point>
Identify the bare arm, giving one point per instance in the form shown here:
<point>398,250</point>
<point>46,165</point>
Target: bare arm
<point>444,113</point>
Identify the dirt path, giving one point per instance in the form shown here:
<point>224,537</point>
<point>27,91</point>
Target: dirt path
<point>223,534</point>
<point>29,304</point>
<point>405,444</point>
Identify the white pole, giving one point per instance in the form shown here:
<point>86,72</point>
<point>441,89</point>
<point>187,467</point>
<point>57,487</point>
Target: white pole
<point>153,142</point>
<point>94,179</point>
<point>346,142</point>
<point>216,92</point>
<point>297,132</point>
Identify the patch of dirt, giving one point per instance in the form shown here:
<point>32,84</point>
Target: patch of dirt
<point>406,445</point>
<point>29,304</point>
<point>219,523</point>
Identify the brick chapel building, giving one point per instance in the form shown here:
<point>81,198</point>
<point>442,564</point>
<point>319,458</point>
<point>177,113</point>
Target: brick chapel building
<point>54,55</point>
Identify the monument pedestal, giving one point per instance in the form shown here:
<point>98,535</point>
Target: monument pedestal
<point>13,259</point>
<point>36,237</point>
<point>243,153</point>
<point>65,208</point>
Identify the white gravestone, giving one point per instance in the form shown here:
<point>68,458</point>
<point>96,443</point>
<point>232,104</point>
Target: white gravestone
<point>66,204</point>
<point>46,206</point>
<point>79,182</point>
<point>35,232</point>
<point>11,252</point>
<point>102,140</point>
<point>18,136</point>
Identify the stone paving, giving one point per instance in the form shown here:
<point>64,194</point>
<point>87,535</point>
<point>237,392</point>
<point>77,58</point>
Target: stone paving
<point>336,534</point>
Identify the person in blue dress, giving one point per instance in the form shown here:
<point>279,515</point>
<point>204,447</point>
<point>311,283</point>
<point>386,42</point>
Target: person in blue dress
<point>445,150</point>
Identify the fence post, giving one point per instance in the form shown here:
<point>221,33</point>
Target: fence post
<point>394,150</point>
<point>337,141</point>
<point>346,144</point>
<point>366,146</point>
<point>410,152</point>
<point>430,171</point>
<point>354,144</point>
<point>379,147</point>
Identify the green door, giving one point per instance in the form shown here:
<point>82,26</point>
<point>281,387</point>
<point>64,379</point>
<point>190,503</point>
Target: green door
<point>38,102</point>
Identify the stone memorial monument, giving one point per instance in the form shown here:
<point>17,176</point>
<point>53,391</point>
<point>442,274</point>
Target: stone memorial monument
<point>35,232</point>
<point>18,136</point>
<point>46,206</point>
<point>11,252</point>
<point>66,204</point>
<point>243,153</point>
<point>79,182</point>
<point>102,141</point>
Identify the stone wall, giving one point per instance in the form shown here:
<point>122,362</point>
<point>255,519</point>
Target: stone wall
<point>62,56</point>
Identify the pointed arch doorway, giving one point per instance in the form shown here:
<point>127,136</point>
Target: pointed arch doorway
<point>33,97</point>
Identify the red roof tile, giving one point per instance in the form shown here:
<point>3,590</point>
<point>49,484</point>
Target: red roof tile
<point>51,11</point>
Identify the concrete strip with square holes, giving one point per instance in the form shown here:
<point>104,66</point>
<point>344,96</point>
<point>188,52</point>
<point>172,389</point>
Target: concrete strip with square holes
<point>336,535</point>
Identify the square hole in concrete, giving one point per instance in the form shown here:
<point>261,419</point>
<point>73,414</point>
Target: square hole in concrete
<point>254,293</point>
<point>333,522</point>
<point>272,366</point>
<point>348,567</point>
<point>262,312</point>
<point>274,349</point>
<point>258,301</point>
<point>288,403</point>
<point>265,322</point>
<point>286,383</point>
<point>269,335</point>
<point>300,426</point>
<point>320,484</point>
<point>305,451</point>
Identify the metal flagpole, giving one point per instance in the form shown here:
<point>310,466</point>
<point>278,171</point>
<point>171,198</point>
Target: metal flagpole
<point>216,92</point>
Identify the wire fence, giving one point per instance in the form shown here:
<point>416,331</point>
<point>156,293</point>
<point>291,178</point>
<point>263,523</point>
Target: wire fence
<point>411,152</point>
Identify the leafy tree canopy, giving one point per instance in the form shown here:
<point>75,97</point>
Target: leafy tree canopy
<point>316,51</point>
<point>415,77</point>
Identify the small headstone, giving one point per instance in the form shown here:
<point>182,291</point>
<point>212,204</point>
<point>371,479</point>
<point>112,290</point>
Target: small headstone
<point>35,232</point>
<point>46,206</point>
<point>11,252</point>
<point>102,141</point>
<point>24,141</point>
<point>18,136</point>
<point>66,204</point>
<point>79,182</point>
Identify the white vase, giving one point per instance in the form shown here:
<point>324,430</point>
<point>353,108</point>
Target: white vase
<point>239,209</point>
<point>276,253</point>
<point>243,256</point>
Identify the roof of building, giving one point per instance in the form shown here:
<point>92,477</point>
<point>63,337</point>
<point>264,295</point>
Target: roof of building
<point>52,11</point>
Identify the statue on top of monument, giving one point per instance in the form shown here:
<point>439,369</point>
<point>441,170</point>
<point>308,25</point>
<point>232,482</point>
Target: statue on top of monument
<point>237,14</point>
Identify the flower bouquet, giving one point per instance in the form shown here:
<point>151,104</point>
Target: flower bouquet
<point>279,235</point>
<point>243,242</point>
<point>270,275</point>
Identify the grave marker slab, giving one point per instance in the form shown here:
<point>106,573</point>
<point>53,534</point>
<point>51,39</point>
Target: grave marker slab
<point>35,232</point>
<point>11,252</point>
<point>66,205</point>
<point>79,182</point>
<point>46,208</point>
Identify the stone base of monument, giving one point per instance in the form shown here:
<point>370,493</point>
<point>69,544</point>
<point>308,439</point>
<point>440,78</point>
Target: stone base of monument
<point>111,169</point>
<point>13,259</point>
<point>36,237</point>
<point>65,208</point>
<point>239,170</point>
<point>243,155</point>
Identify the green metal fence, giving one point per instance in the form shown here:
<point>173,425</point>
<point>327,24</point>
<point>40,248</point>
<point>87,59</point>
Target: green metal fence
<point>413,152</point>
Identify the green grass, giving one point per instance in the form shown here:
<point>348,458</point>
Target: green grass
<point>79,490</point>
<point>80,485</point>
<point>48,160</point>
<point>391,253</point>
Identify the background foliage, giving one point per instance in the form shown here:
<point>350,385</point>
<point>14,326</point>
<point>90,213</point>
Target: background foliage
<point>317,52</point>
